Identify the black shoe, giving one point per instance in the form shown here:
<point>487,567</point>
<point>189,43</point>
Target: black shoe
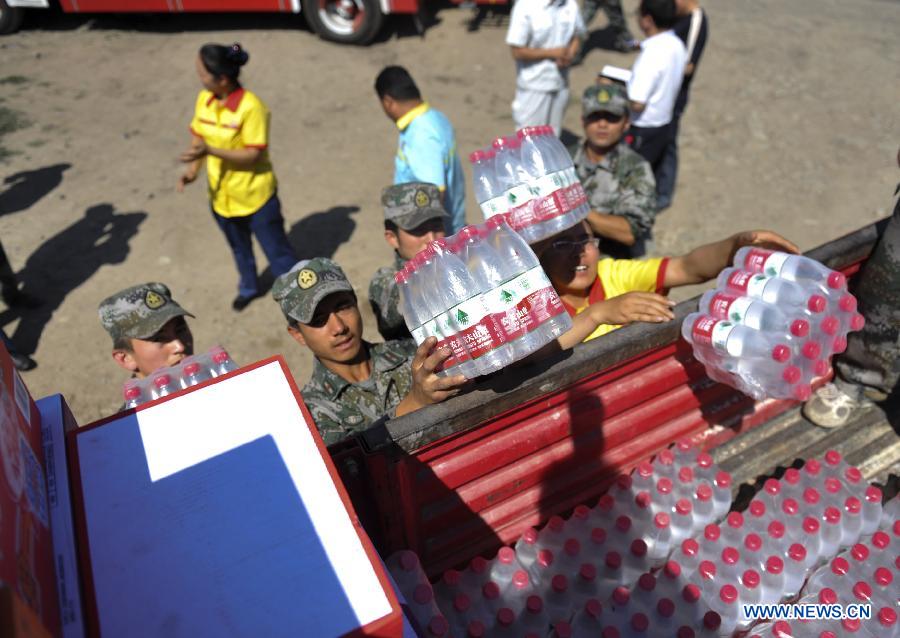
<point>240,302</point>
<point>23,362</point>
<point>21,299</point>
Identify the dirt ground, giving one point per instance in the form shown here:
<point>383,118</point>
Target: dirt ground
<point>793,125</point>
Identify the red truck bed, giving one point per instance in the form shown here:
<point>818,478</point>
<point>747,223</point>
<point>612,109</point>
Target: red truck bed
<point>463,477</point>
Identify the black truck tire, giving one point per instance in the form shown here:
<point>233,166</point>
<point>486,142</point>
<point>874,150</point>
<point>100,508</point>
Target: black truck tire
<point>10,18</point>
<point>346,21</point>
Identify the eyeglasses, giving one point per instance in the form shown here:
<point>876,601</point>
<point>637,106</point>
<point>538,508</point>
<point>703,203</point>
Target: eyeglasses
<point>567,246</point>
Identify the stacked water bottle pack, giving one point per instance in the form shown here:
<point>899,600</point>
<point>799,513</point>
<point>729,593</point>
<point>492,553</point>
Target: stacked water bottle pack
<point>189,372</point>
<point>530,176</point>
<point>484,295</point>
<point>772,324</point>
<point>573,575</point>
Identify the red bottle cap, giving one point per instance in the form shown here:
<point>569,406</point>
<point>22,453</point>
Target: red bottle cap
<point>530,536</point>
<point>664,485</point>
<point>839,566</point>
<point>753,542</point>
<point>685,632</point>
<point>712,532</point>
<point>598,535</point>
<point>730,556</point>
<point>638,547</point>
<point>686,475</point>
<point>422,594</point>
<point>774,565</point>
<point>587,572</point>
<point>830,326</point>
<point>883,577</point>
<point>690,593</point>
<point>832,485</point>
<point>790,507</point>
<point>781,353</point>
<point>840,345</point>
<point>661,520</point>
<point>451,577</point>
<point>506,555</point>
<point>132,392</point>
<point>438,626</point>
<point>833,457</point>
<point>836,280</point>
<point>623,524</point>
<point>572,547</point>
<point>811,496</point>
<point>811,350</point>
<point>797,552</point>
<point>643,500</point>
<point>750,579</point>
<point>853,505</point>
<point>593,607</point>
<point>562,629</point>
<point>192,368</point>
<point>560,583</point>
<point>475,629</point>
<point>792,476</point>
<point>613,560</point>
<point>623,482</point>
<point>858,322</point>
<point>690,547</point>
<point>757,508</point>
<point>491,590</point>
<point>734,520</point>
<point>776,529</point>
<point>606,502</point>
<point>723,479</point>
<point>640,622</point>
<point>645,469</point>
<point>801,392</point>
<point>683,507</point>
<point>581,512</point>
<point>859,552</point>
<point>520,579</point>
<point>544,558</point>
<point>621,595</point>
<point>647,582</point>
<point>873,494</point>
<point>828,596</point>
<point>505,617</point>
<point>610,632</point>
<point>665,457</point>
<point>799,328</point>
<point>478,565</point>
<point>704,460</point>
<point>810,525</point>
<point>556,524</point>
<point>847,303</point>
<point>162,380</point>
<point>704,492</point>
<point>852,475</point>
<point>862,591</point>
<point>880,540</point>
<point>817,303</point>
<point>791,374</point>
<point>672,569</point>
<point>728,594</point>
<point>707,569</point>
<point>851,625</point>
<point>461,602</point>
<point>665,607</point>
<point>887,617</point>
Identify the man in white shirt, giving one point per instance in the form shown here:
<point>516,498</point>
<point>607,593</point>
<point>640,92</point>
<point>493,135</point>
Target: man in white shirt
<point>655,80</point>
<point>544,36</point>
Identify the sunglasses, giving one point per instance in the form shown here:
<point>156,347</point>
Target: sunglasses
<point>578,245</point>
<point>612,118</point>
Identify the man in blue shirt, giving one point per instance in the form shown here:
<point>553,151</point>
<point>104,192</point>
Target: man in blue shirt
<point>426,150</point>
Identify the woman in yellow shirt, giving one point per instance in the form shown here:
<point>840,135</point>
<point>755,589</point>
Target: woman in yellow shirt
<point>230,129</point>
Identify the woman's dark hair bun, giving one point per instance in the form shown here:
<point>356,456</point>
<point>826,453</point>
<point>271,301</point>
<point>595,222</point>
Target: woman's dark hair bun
<point>237,55</point>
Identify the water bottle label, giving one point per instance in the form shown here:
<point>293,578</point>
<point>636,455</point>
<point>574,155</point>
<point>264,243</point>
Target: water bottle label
<point>427,329</point>
<point>518,196</point>
<point>755,259</point>
<point>449,338</point>
<point>547,185</point>
<point>756,285</point>
<point>775,264</point>
<point>737,312</point>
<point>521,304</point>
<point>476,327</point>
<point>711,333</point>
<point>495,206</point>
<point>720,303</point>
<point>738,280</point>
<point>577,196</point>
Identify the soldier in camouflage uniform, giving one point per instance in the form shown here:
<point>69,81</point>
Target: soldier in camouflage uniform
<point>413,217</point>
<point>619,183</point>
<point>148,328</point>
<point>354,383</point>
<point>870,368</point>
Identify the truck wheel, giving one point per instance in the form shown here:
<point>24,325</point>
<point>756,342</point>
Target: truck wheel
<point>10,18</point>
<point>347,21</point>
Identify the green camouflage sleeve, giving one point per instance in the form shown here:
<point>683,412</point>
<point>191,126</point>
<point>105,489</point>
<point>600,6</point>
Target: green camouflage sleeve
<point>384,297</point>
<point>326,416</point>
<point>637,196</point>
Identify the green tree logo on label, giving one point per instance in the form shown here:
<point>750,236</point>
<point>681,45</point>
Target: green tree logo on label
<point>462,318</point>
<point>506,296</point>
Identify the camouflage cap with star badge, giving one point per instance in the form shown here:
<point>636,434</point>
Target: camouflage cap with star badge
<point>412,204</point>
<point>139,312</point>
<point>609,98</point>
<point>300,290</point>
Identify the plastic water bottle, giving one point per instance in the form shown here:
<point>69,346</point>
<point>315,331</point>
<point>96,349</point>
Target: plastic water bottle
<point>685,484</point>
<point>871,510</point>
<point>596,547</point>
<point>774,290</point>
<point>504,566</point>
<point>851,521</point>
<point>553,535</point>
<point>534,618</point>
<point>133,396</point>
<point>704,508</point>
<point>733,531</point>
<point>546,317</point>
<point>749,590</point>
<point>721,493</point>
<point>438,627</point>
<point>659,538</point>
<point>831,576</point>
<point>688,556</point>
<point>517,591</point>
<point>222,362</point>
<point>559,599</point>
<point>586,585</point>
<point>561,630</point>
<point>570,558</point>
<point>487,192</point>
<point>682,521</point>
<point>416,313</point>
<point>796,268</point>
<point>513,179</point>
<point>447,588</point>
<point>664,465</point>
<point>588,621</point>
<point>490,602</point>
<point>635,562</point>
<point>726,604</point>
<point>580,524</point>
<point>406,571</point>
<point>733,339</point>
<point>487,339</point>
<point>461,613</point>
<point>753,313</point>
<point>611,574</point>
<point>751,552</point>
<point>773,580</point>
<point>542,569</point>
<point>422,605</point>
<point>192,373</point>
<point>505,624</point>
<point>163,385</point>
<point>550,205</point>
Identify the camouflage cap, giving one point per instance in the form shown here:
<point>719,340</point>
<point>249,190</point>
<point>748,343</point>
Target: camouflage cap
<point>139,312</point>
<point>412,204</point>
<point>300,290</point>
<point>610,98</point>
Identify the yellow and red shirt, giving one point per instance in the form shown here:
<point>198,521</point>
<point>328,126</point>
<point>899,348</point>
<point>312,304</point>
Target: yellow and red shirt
<point>239,121</point>
<point>616,277</point>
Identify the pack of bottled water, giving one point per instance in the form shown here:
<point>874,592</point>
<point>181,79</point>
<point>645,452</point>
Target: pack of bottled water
<point>531,177</point>
<point>483,294</point>
<point>772,324</point>
<point>189,372</point>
